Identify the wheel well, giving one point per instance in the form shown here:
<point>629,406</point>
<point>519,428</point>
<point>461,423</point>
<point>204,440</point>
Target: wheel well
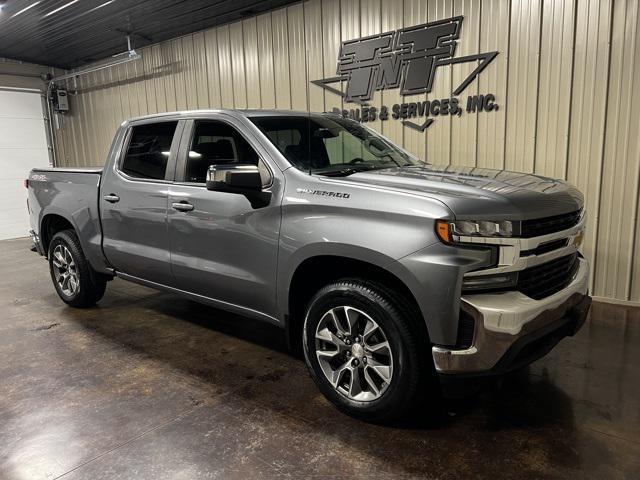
<point>52,224</point>
<point>316,272</point>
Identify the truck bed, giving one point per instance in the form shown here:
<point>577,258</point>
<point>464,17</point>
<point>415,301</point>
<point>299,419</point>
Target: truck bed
<point>69,194</point>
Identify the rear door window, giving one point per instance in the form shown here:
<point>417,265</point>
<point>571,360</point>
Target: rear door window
<point>149,150</point>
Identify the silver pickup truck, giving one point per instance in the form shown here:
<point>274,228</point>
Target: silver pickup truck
<point>395,277</point>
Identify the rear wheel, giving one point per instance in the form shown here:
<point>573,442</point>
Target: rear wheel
<point>361,347</point>
<point>77,284</point>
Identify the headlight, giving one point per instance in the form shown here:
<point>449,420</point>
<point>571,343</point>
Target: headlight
<point>482,228</point>
<point>475,228</point>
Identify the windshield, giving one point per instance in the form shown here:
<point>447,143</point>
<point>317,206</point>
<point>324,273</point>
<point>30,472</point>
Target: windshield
<point>331,145</point>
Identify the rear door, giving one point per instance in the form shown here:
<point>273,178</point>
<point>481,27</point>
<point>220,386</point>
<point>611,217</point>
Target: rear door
<point>133,201</point>
<point>222,246</point>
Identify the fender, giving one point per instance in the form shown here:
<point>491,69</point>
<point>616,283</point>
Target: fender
<point>89,233</point>
<point>287,266</point>
<point>433,275</point>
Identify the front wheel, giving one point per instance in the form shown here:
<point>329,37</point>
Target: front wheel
<point>77,284</point>
<point>362,350</point>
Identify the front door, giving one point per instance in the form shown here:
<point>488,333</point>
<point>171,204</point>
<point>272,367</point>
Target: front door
<point>222,247</point>
<point>133,202</point>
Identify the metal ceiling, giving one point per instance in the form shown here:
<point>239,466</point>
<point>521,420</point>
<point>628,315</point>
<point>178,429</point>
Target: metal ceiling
<point>71,33</point>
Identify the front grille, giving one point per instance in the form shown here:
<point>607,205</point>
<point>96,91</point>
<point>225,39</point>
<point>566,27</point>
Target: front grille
<point>546,247</point>
<point>544,226</point>
<point>543,280</point>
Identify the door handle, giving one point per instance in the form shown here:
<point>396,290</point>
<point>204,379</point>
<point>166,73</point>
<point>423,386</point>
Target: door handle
<point>112,198</point>
<point>182,206</point>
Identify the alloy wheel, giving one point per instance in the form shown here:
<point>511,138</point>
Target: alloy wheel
<point>354,353</point>
<point>64,270</point>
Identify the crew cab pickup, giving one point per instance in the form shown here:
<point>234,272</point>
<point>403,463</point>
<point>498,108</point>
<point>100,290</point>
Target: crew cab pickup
<point>386,271</point>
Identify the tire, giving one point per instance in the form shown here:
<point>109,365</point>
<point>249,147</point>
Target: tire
<point>366,394</point>
<point>77,284</point>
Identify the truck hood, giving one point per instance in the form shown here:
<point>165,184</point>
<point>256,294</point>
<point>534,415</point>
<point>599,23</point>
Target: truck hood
<point>480,193</point>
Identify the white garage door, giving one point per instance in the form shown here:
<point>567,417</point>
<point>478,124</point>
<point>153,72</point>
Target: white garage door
<point>23,145</point>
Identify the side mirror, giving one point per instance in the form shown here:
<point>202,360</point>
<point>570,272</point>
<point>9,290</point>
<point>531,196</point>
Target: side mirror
<point>234,178</point>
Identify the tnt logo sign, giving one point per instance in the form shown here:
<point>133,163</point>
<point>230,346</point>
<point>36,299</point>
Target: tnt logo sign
<point>407,59</point>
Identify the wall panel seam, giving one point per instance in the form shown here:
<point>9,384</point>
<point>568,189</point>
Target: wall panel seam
<point>636,202</point>
<point>477,81</point>
<point>244,63</point>
<point>289,59</point>
<point>571,79</point>
<point>598,204</point>
<point>273,63</point>
<point>506,90</point>
<point>537,110</point>
<point>324,93</point>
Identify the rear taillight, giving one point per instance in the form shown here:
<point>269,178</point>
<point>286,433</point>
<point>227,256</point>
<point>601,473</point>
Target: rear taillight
<point>25,182</point>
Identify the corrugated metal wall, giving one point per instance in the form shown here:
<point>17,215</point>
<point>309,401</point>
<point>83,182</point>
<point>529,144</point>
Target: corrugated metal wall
<point>14,74</point>
<point>566,80</point>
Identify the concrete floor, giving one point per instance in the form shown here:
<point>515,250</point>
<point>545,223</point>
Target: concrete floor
<point>148,385</point>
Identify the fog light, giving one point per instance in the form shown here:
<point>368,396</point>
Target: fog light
<point>489,282</point>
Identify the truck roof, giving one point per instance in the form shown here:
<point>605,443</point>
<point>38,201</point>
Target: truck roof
<point>235,112</point>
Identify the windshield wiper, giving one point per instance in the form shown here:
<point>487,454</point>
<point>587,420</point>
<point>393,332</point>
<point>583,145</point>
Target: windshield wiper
<point>345,172</point>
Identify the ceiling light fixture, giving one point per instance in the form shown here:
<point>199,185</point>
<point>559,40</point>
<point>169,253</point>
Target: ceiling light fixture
<point>60,8</point>
<point>118,59</point>
<point>103,5</point>
<point>25,9</point>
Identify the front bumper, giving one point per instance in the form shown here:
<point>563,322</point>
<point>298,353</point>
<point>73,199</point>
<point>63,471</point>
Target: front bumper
<point>512,330</point>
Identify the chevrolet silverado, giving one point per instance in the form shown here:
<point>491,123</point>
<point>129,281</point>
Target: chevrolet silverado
<point>395,277</point>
